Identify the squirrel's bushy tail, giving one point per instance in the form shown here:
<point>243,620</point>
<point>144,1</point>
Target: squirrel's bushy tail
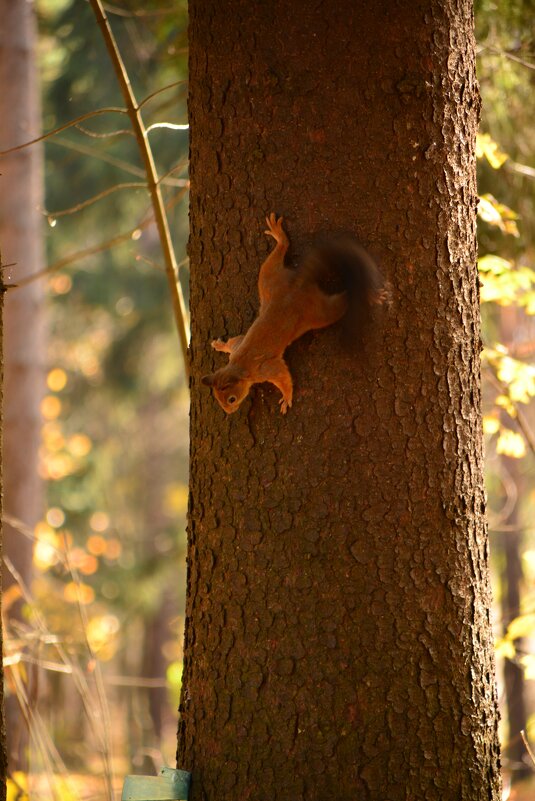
<point>341,264</point>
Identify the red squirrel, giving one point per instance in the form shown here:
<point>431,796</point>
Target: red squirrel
<point>292,302</point>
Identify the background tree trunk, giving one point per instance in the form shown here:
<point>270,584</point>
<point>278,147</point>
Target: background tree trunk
<point>511,585</point>
<point>3,752</point>
<point>21,242</point>
<point>337,637</point>
<point>513,673</point>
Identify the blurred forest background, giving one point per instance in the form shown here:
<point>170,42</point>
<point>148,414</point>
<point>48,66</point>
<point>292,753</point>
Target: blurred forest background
<point>93,642</point>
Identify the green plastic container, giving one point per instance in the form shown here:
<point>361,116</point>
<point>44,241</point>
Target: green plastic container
<point>169,785</point>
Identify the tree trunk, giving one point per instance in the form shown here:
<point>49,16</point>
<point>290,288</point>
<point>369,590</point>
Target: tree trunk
<point>338,642</point>
<point>21,242</point>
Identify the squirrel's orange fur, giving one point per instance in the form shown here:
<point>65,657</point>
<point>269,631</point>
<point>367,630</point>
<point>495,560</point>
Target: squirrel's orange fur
<point>291,303</point>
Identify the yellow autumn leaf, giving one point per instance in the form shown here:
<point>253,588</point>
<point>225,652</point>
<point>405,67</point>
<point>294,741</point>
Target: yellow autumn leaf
<point>505,403</point>
<point>493,264</point>
<point>511,444</point>
<point>522,626</point>
<point>487,148</point>
<point>498,214</point>
<point>528,663</point>
<point>505,649</point>
<point>101,633</point>
<point>17,787</point>
<point>488,212</point>
<point>65,789</point>
<point>510,227</point>
<point>518,376</point>
<point>528,557</point>
<point>529,303</point>
<point>491,424</point>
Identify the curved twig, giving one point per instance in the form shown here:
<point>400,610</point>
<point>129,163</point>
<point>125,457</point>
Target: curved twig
<point>70,124</point>
<point>52,215</point>
<point>115,162</point>
<point>90,251</point>
<point>177,167</point>
<point>171,125</point>
<point>106,134</point>
<point>159,92</point>
<point>498,52</point>
<point>121,12</point>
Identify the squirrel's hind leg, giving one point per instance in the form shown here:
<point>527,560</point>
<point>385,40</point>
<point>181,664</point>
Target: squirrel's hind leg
<point>276,372</point>
<point>328,309</point>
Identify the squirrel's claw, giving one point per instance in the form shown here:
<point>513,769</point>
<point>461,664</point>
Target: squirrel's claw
<point>274,228</point>
<point>285,405</point>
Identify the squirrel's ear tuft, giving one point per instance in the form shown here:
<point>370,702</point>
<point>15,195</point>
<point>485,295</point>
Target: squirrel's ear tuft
<point>208,380</point>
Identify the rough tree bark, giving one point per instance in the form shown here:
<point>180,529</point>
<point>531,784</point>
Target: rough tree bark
<point>21,242</point>
<point>337,638</point>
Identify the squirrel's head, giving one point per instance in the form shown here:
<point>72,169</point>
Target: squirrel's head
<point>230,387</point>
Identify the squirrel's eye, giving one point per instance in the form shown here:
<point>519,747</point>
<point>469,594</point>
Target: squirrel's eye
<point>232,399</point>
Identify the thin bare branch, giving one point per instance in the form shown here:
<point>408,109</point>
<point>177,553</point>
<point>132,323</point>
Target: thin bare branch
<point>150,262</point>
<point>100,731</point>
<point>99,682</point>
<point>122,12</point>
<point>159,92</point>
<point>79,255</point>
<point>22,528</point>
<point>521,169</point>
<point>87,150</point>
<point>64,127</point>
<point>136,119</point>
<point>135,681</point>
<point>498,52</point>
<point>165,176</point>
<point>528,747</point>
<point>171,125</point>
<point>106,134</point>
<point>66,261</point>
<point>52,215</point>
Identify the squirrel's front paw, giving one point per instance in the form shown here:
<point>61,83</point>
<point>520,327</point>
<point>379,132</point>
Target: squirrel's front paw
<point>275,229</point>
<point>218,344</point>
